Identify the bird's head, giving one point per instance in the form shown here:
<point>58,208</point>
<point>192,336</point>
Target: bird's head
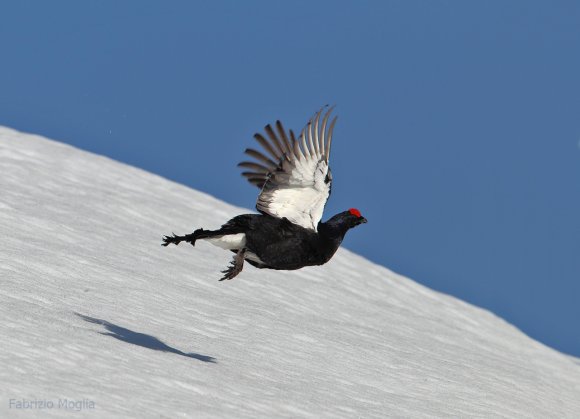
<point>348,219</point>
<point>354,217</point>
<point>337,226</point>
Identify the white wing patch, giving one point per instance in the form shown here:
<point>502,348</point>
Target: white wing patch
<point>300,197</point>
<point>298,186</point>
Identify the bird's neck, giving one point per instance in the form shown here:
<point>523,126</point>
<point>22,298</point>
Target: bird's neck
<point>332,233</point>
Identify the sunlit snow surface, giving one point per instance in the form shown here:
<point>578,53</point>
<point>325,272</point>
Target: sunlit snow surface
<point>94,310</point>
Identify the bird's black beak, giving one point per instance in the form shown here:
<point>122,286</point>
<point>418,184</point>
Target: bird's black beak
<point>362,220</point>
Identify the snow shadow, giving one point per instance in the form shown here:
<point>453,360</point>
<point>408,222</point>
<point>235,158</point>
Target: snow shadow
<point>141,339</point>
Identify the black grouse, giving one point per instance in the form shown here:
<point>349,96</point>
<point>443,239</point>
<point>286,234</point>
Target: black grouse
<point>295,182</point>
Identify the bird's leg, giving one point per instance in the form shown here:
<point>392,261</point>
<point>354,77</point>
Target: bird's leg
<point>236,265</point>
<point>189,238</point>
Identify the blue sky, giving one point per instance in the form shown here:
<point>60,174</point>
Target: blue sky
<point>458,133</point>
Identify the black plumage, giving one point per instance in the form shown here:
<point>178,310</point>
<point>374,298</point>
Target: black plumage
<point>288,234</point>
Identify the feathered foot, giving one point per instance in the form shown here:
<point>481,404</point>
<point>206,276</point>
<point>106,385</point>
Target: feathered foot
<point>189,238</point>
<point>236,265</point>
<point>175,239</point>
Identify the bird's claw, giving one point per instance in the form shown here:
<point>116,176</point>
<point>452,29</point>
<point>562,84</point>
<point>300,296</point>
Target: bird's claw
<point>167,240</point>
<point>228,272</point>
<point>236,265</point>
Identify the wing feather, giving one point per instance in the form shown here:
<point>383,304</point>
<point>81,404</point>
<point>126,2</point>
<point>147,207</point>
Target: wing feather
<point>259,156</point>
<point>297,150</point>
<point>295,178</point>
<point>284,137</point>
<point>281,150</point>
<point>329,142</point>
<point>267,146</point>
<point>254,166</point>
<point>304,145</point>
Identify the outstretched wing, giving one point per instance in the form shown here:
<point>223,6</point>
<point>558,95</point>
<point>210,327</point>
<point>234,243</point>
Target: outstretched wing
<point>293,174</point>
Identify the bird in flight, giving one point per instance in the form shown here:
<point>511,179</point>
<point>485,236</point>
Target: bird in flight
<point>295,180</point>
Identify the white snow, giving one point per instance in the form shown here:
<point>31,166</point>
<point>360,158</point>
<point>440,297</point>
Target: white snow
<point>96,312</point>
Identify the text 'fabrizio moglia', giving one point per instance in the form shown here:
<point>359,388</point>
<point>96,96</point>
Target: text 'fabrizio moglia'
<point>42,404</point>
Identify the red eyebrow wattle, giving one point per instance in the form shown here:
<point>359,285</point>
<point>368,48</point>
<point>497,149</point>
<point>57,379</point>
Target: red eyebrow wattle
<point>355,212</point>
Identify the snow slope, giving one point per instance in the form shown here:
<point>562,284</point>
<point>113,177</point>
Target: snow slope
<point>100,318</point>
